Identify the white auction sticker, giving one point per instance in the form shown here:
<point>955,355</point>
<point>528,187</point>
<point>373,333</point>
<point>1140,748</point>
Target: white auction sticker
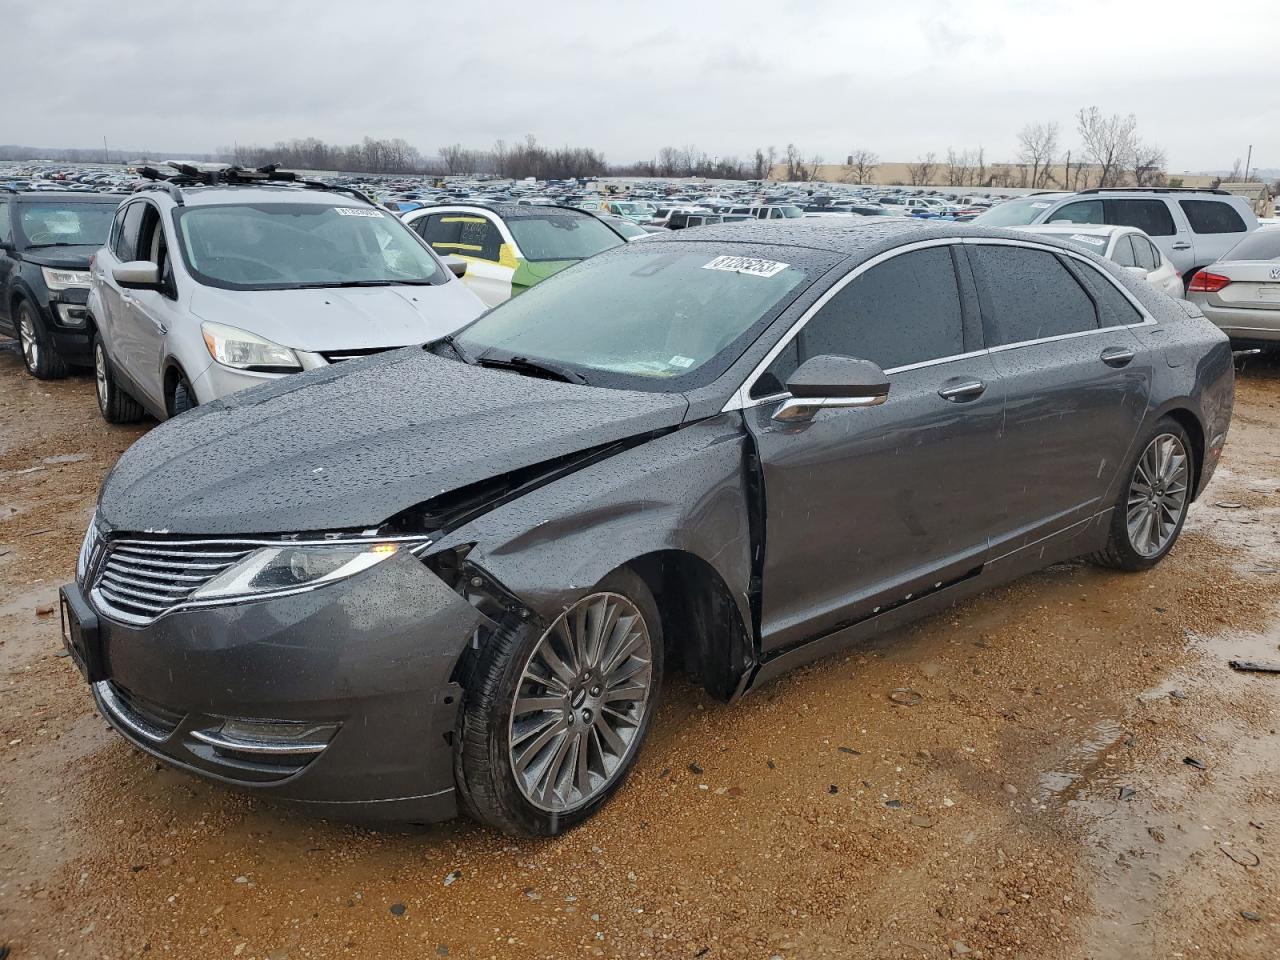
<point>1040,205</point>
<point>357,212</point>
<point>1093,241</point>
<point>679,361</point>
<point>751,265</point>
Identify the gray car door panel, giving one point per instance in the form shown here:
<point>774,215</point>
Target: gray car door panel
<point>867,506</point>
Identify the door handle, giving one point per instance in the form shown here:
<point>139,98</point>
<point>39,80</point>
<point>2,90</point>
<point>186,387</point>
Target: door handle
<point>1182,246</point>
<point>1117,356</point>
<point>962,389</point>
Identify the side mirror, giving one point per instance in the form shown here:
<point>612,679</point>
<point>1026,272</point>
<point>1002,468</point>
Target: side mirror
<point>832,382</point>
<point>137,275</point>
<point>457,266</point>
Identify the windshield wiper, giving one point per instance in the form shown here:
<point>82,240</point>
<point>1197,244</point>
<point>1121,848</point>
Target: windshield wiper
<point>450,341</point>
<point>536,368</point>
<point>344,283</point>
<point>60,243</point>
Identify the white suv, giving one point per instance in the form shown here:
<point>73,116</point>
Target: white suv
<point>216,280</point>
<point>1192,228</point>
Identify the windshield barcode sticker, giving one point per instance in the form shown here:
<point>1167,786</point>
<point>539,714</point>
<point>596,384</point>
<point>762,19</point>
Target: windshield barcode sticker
<point>750,265</point>
<point>357,212</point>
<point>1095,241</point>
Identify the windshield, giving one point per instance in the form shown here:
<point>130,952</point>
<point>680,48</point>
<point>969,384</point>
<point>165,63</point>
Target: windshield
<point>1259,245</point>
<point>659,317</point>
<point>65,224</point>
<point>1013,213</point>
<point>282,246</point>
<point>791,212</point>
<point>629,229</point>
<point>559,237</point>
<point>634,209</point>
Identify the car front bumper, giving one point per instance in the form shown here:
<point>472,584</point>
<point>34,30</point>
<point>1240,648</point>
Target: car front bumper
<point>362,667</point>
<point>1260,325</point>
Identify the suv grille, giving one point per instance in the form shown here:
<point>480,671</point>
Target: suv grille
<point>142,579</point>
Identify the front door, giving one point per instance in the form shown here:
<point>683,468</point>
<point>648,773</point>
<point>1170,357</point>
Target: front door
<point>476,238</point>
<point>868,506</point>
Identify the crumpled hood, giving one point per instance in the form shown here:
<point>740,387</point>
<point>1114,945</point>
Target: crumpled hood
<point>64,258</point>
<point>349,446</point>
<point>342,318</point>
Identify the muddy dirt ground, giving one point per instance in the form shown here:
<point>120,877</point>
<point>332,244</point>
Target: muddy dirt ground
<point>1036,803</point>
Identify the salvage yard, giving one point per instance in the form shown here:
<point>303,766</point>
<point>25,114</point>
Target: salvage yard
<point>1063,768</point>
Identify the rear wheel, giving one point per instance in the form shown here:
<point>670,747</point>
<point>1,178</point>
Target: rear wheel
<point>38,353</point>
<point>115,405</point>
<point>1152,505</point>
<point>553,719</point>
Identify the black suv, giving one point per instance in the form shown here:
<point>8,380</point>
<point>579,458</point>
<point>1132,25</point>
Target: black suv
<point>46,241</point>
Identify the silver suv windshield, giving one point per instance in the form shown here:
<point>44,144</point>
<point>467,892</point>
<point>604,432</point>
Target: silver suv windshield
<point>282,246</point>
<point>658,319</point>
<point>73,224</point>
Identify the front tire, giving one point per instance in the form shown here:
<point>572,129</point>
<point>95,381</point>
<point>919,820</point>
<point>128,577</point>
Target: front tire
<point>114,404</point>
<point>38,353</point>
<point>553,719</point>
<point>1152,504</point>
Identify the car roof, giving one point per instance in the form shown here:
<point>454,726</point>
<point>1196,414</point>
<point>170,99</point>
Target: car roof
<point>857,237</point>
<point>1098,229</point>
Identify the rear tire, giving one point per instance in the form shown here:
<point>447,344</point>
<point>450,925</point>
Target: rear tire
<point>114,404</point>
<point>1152,503</point>
<point>38,353</point>
<point>535,758</point>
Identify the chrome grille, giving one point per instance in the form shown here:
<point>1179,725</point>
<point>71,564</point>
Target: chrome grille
<point>142,579</point>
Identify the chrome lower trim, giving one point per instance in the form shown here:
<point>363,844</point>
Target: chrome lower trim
<point>220,742</point>
<point>124,717</point>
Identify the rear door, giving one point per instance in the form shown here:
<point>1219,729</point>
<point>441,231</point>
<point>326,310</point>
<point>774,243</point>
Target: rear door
<point>869,506</point>
<point>1166,227</point>
<point>1076,382</point>
<point>1216,227</point>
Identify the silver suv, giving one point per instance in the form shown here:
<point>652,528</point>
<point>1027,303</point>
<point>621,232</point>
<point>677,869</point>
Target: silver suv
<point>221,279</point>
<point>1192,228</point>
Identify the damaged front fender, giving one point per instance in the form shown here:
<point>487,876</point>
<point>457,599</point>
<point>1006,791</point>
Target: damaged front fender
<point>678,509</point>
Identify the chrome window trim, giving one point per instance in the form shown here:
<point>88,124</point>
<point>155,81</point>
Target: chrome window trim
<point>742,399</point>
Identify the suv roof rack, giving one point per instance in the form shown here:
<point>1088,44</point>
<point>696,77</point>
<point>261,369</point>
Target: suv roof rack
<point>1154,190</point>
<point>227,175</point>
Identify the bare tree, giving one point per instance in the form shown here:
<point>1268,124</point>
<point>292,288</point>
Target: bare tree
<point>1146,164</point>
<point>862,166</point>
<point>957,167</point>
<point>1236,173</point>
<point>795,163</point>
<point>921,172</point>
<point>979,178</point>
<point>1037,146</point>
<point>1108,142</point>
<point>452,156</point>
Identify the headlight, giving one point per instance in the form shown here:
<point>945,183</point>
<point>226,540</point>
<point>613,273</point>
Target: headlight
<point>243,350</point>
<point>91,538</point>
<point>64,279</point>
<point>285,569</point>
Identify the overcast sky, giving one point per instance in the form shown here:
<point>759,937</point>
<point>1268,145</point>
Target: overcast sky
<point>899,78</point>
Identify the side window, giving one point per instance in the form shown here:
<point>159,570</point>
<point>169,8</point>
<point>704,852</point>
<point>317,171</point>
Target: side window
<point>463,234</point>
<point>1152,217</point>
<point>903,311</point>
<point>1029,295</point>
<point>1144,254</point>
<point>1114,308</point>
<point>1212,216</point>
<point>6,228</point>
<point>126,246</point>
<point>1082,211</point>
<point>1123,253</point>
<point>117,228</point>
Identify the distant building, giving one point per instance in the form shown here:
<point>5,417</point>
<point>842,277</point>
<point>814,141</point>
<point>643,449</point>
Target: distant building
<point>1258,195</point>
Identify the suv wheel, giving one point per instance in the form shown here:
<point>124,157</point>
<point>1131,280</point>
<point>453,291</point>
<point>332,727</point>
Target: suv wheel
<point>38,354</point>
<point>115,405</point>
<point>553,719</point>
<point>184,398</point>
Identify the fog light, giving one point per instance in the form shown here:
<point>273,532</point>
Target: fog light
<point>269,736</point>
<point>72,315</point>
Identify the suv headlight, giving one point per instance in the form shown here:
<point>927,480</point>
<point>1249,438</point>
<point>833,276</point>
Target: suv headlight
<point>243,350</point>
<point>286,569</point>
<point>56,279</point>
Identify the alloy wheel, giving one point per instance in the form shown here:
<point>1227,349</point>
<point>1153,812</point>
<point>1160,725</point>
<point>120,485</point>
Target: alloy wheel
<point>581,702</point>
<point>1158,494</point>
<point>27,335</point>
<point>100,375</point>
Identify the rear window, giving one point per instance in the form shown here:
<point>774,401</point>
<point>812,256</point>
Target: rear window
<point>1013,213</point>
<point>1212,216</point>
<point>1030,295</point>
<point>1259,245</point>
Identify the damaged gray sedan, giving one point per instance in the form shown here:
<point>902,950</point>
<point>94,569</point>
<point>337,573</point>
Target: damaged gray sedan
<point>454,577</point>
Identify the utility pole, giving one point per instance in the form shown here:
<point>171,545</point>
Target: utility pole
<point>106,156</point>
<point>1248,162</point>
